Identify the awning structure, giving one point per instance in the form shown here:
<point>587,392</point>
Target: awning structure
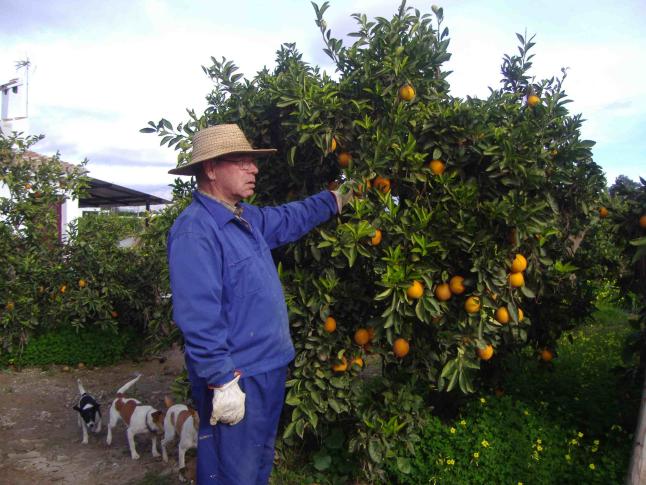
<point>105,195</point>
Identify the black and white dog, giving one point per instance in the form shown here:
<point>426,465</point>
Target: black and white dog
<point>89,410</point>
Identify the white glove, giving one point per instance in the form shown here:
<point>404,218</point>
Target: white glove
<point>344,194</point>
<point>228,403</point>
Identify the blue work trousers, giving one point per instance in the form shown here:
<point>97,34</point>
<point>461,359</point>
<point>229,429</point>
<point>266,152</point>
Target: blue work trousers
<point>242,454</point>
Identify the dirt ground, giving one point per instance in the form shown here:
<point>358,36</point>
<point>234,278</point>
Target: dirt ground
<point>40,440</point>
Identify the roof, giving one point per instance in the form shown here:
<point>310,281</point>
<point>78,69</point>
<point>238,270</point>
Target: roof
<point>106,194</point>
<point>100,193</point>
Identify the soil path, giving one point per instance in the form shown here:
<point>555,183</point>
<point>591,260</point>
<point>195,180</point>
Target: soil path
<point>40,441</point>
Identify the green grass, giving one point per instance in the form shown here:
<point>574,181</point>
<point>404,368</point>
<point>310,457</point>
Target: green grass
<point>568,422</point>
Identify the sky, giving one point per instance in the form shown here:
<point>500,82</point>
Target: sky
<point>101,70</point>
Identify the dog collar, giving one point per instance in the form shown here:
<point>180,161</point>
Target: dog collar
<point>147,425</point>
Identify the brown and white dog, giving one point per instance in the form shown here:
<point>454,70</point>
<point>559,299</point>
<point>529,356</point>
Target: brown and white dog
<point>182,421</point>
<point>139,418</point>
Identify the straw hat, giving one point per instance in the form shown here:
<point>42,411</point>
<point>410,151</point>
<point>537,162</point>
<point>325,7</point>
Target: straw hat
<point>218,141</point>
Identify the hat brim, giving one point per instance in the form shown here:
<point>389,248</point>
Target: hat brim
<point>190,168</point>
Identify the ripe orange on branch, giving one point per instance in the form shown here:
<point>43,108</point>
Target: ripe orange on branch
<point>437,167</point>
<point>485,353</point>
<point>401,347</point>
<point>533,100</point>
<point>344,159</point>
<point>518,264</point>
<point>603,212</point>
<point>415,290</point>
<point>341,366</point>
<point>547,355</point>
<point>472,304</point>
<point>502,315</point>
<point>456,285</point>
<point>361,337</point>
<point>333,145</point>
<point>382,184</point>
<point>82,283</point>
<point>406,92</point>
<point>443,292</point>
<point>521,315</point>
<point>642,221</point>
<point>376,239</point>
<point>516,280</point>
<point>330,325</point>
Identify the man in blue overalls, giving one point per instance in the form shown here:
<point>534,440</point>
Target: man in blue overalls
<point>229,304</point>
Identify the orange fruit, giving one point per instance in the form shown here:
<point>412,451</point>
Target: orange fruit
<point>472,304</point>
<point>376,239</point>
<point>415,290</point>
<point>10,306</point>
<point>520,315</point>
<point>456,285</point>
<point>361,337</point>
<point>382,184</point>
<point>502,315</point>
<point>516,280</point>
<point>533,100</point>
<point>333,144</point>
<point>437,167</point>
<point>401,347</point>
<point>82,283</point>
<point>341,366</point>
<point>518,264</point>
<point>486,353</point>
<point>642,221</point>
<point>357,361</point>
<point>603,212</point>
<point>362,187</point>
<point>63,288</point>
<point>406,92</point>
<point>344,159</point>
<point>330,325</point>
<point>443,292</point>
<point>547,355</point>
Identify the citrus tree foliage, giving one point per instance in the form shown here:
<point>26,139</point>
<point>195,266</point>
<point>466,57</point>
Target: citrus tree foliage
<point>46,284</point>
<point>445,186</point>
<point>627,224</point>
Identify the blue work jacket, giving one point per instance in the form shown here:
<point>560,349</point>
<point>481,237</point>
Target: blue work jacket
<point>228,300</point>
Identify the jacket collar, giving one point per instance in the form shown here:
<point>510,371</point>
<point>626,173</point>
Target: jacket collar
<point>219,212</point>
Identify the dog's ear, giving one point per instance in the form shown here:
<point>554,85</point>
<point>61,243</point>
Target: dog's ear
<point>158,416</point>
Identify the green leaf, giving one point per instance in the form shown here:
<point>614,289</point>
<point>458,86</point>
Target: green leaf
<point>403,464</point>
<point>375,450</point>
<point>322,460</point>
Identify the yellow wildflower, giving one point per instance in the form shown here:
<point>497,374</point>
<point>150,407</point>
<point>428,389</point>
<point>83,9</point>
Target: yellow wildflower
<point>485,444</point>
<point>476,455</point>
<point>591,466</point>
<point>579,434</point>
<point>450,462</point>
<point>453,430</point>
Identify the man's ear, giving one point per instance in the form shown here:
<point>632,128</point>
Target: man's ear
<point>208,167</point>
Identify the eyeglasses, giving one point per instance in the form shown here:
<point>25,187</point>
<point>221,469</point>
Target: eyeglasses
<point>247,164</point>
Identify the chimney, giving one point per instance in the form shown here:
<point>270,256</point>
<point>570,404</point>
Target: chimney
<point>13,114</point>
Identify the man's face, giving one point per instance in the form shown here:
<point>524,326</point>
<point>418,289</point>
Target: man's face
<point>232,178</point>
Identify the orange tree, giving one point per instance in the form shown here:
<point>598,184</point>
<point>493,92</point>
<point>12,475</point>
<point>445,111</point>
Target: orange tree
<point>45,284</point>
<point>465,209</point>
<point>627,221</point>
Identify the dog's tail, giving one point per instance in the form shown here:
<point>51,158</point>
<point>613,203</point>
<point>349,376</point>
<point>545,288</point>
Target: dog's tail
<point>81,388</point>
<point>127,386</point>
